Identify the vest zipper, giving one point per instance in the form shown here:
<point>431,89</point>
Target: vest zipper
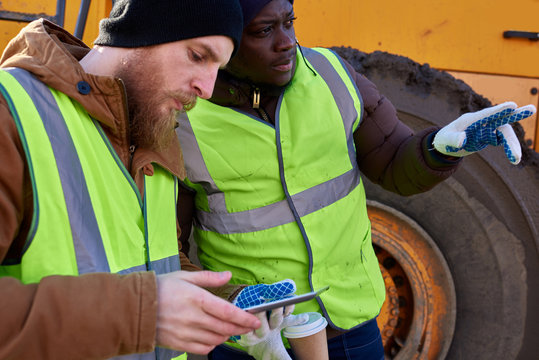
<point>260,110</point>
<point>256,98</point>
<point>264,115</point>
<point>131,154</point>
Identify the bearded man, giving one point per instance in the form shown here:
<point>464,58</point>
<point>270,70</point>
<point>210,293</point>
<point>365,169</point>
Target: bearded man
<point>88,185</point>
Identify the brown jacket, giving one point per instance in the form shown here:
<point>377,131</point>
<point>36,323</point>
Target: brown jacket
<point>92,316</point>
<point>388,152</point>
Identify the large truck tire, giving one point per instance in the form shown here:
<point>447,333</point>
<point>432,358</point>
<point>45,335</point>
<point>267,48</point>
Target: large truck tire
<point>475,295</point>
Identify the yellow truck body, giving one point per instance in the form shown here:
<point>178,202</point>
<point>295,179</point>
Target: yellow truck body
<point>26,10</point>
<point>463,37</point>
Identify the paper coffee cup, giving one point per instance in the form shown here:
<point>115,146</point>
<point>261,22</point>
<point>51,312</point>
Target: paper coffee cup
<point>308,341</point>
<point>315,324</point>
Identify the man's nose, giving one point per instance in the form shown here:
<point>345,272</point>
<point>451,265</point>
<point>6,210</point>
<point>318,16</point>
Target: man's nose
<point>285,39</point>
<point>204,84</point>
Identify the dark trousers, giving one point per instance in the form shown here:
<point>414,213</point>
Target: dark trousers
<point>363,343</point>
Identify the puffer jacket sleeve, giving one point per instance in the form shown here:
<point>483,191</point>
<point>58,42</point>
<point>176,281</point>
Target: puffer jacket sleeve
<point>389,153</point>
<point>185,212</point>
<point>93,316</point>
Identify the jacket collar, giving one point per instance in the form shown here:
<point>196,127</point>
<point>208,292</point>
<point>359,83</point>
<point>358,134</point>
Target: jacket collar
<point>234,92</point>
<point>52,55</point>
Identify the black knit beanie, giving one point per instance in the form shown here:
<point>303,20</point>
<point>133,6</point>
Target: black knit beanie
<point>136,23</point>
<point>251,8</point>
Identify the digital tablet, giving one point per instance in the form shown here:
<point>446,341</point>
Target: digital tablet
<point>286,301</point>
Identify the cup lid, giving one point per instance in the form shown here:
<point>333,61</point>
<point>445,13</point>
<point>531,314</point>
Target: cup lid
<point>315,324</point>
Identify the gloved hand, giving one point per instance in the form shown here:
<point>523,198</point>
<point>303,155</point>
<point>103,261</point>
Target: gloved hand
<point>266,343</point>
<point>262,293</point>
<point>472,132</point>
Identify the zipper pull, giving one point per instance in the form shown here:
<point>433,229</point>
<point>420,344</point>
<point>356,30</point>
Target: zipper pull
<point>131,153</point>
<point>256,98</point>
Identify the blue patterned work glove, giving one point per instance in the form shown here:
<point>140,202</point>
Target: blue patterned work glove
<point>265,343</point>
<point>472,132</point>
<point>262,293</point>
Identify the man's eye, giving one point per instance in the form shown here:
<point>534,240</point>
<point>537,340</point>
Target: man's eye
<point>291,21</point>
<point>196,57</point>
<point>265,30</point>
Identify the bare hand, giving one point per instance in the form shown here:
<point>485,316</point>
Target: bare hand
<point>192,319</point>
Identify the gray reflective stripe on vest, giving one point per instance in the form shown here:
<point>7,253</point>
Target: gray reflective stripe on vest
<point>216,199</point>
<point>90,253</point>
<point>279,213</point>
<point>161,266</point>
<point>221,221</point>
<point>133,269</point>
<point>159,354</point>
<point>340,92</point>
<point>166,265</point>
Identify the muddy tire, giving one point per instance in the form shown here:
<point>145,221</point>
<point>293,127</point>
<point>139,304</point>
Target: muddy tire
<point>484,219</point>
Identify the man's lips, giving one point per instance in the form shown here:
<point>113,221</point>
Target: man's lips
<point>283,65</point>
<point>183,104</point>
<point>179,105</point>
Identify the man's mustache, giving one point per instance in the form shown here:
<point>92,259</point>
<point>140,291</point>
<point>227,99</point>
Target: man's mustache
<point>188,101</point>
